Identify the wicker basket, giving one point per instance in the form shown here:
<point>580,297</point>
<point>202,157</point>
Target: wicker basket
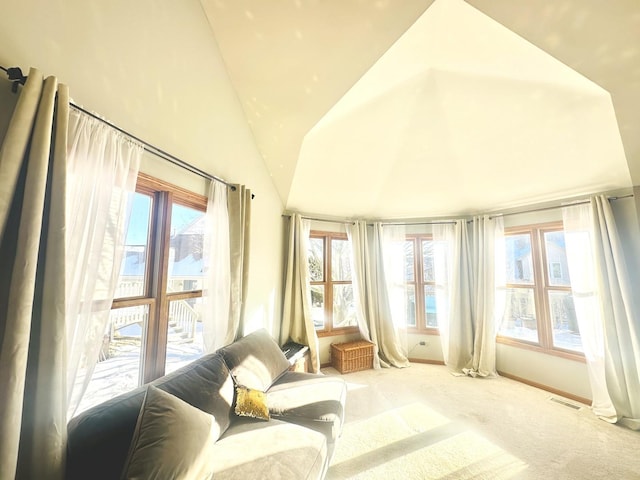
<point>352,356</point>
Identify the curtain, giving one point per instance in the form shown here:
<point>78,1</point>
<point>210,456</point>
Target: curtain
<point>578,236</point>
<point>444,235</point>
<point>102,171</point>
<point>487,241</point>
<point>373,304</point>
<point>611,338</point>
<point>297,325</point>
<point>458,328</point>
<point>216,320</point>
<point>476,293</point>
<point>239,202</point>
<point>32,283</point>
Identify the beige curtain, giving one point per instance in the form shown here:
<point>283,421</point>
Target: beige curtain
<point>239,238</point>
<point>475,302</point>
<point>457,333</point>
<point>373,307</point>
<point>297,325</point>
<point>32,283</point>
<point>486,240</point>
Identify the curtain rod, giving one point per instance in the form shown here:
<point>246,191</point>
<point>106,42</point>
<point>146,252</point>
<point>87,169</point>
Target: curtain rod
<point>15,75</point>
<point>554,207</point>
<point>344,222</point>
<point>402,224</point>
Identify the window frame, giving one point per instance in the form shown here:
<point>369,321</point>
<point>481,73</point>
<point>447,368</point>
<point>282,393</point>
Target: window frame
<point>419,284</point>
<point>328,283</point>
<point>154,343</point>
<point>541,288</point>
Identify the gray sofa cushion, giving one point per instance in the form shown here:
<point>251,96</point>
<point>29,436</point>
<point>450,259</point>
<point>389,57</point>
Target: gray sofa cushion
<point>257,450</point>
<point>172,440</point>
<point>99,438</point>
<point>313,401</point>
<point>255,361</point>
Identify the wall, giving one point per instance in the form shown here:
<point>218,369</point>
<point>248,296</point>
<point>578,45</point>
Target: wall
<point>154,69</point>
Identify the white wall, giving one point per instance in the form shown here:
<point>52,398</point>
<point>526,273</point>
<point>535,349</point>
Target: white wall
<point>154,69</point>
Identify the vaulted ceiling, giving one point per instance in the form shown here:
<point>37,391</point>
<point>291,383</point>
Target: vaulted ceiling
<point>419,108</point>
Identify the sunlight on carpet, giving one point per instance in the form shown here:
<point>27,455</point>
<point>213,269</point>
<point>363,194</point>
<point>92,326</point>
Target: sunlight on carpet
<point>416,442</point>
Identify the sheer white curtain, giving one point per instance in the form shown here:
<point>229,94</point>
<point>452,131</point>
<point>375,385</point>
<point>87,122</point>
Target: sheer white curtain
<point>444,235</point>
<point>374,303</point>
<point>611,334</point>
<point>216,320</point>
<point>394,254</point>
<point>102,170</point>
<point>578,234</point>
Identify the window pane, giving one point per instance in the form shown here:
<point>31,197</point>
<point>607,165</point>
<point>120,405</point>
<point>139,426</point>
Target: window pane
<point>317,306</point>
<point>184,334</point>
<point>344,309</point>
<point>427,261</point>
<point>411,306</point>
<point>430,306</point>
<point>340,260</point>
<point>185,249</point>
<point>519,319</point>
<point>134,262</point>
<point>564,322</point>
<point>409,256</point>
<point>119,365</point>
<point>556,252</point>
<point>316,259</point>
<point>519,259</point>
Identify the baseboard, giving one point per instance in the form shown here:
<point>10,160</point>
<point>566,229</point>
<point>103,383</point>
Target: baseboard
<point>546,388</point>
<point>425,360</point>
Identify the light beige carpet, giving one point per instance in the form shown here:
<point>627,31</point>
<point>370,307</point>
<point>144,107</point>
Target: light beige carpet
<point>423,423</point>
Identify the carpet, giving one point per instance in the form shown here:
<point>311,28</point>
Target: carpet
<point>422,423</point>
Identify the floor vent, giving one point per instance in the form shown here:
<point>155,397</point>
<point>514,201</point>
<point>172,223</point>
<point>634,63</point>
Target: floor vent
<point>565,403</point>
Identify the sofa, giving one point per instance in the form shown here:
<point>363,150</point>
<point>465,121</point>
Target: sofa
<point>238,413</point>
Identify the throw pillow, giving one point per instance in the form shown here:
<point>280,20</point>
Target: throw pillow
<point>172,439</point>
<point>251,403</point>
<point>255,360</point>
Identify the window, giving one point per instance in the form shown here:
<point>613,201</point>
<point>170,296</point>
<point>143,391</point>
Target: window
<point>539,311</point>
<point>420,281</point>
<point>332,304</point>
<point>155,322</point>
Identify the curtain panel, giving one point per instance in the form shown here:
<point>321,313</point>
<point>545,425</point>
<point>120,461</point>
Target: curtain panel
<point>216,293</point>
<point>297,325</point>
<point>32,283</point>
<point>469,269</point>
<point>102,171</point>
<point>371,294</point>
<point>608,313</point>
<point>239,201</point>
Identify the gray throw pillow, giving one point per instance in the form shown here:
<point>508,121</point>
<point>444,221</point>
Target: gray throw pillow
<point>255,361</point>
<point>172,439</point>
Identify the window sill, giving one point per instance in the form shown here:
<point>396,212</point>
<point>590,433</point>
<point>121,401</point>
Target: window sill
<point>337,331</point>
<point>512,342</point>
